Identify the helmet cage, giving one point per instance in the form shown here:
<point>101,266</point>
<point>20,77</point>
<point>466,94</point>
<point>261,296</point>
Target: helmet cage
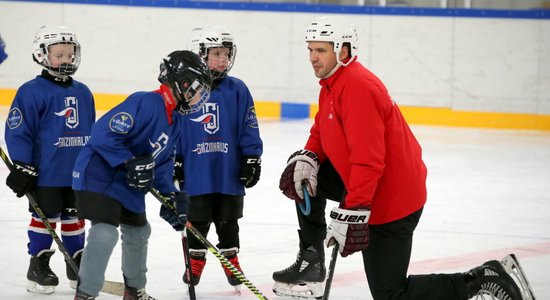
<point>48,36</point>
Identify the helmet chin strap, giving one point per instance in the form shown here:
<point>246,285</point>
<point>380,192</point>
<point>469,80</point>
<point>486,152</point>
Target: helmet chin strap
<point>57,76</point>
<point>339,64</point>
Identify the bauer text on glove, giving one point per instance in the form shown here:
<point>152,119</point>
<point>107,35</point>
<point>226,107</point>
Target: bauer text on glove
<point>141,172</point>
<point>302,167</point>
<point>250,171</point>
<point>348,228</point>
<point>176,217</point>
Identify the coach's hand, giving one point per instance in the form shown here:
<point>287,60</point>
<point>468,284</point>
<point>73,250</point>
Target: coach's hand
<point>348,228</point>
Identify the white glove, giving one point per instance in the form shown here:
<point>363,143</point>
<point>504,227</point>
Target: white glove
<point>302,167</point>
<point>348,228</point>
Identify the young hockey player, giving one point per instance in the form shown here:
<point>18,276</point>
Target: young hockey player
<point>361,153</point>
<point>220,153</point>
<point>48,124</point>
<point>131,150</point>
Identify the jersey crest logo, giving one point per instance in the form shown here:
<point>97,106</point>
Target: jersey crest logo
<point>209,118</point>
<point>15,118</point>
<point>251,118</point>
<point>121,122</point>
<point>70,113</point>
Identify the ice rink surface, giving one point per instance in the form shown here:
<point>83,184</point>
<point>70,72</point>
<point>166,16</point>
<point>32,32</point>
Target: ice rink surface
<point>488,195</point>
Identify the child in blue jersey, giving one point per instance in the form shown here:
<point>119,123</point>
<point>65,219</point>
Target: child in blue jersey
<point>220,154</point>
<point>131,150</point>
<point>48,124</point>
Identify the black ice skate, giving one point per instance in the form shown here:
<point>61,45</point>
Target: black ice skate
<point>131,293</point>
<point>41,278</point>
<point>73,277</point>
<point>502,280</point>
<point>304,278</point>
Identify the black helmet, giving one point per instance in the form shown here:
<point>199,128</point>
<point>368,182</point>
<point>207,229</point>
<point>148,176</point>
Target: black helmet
<point>188,77</point>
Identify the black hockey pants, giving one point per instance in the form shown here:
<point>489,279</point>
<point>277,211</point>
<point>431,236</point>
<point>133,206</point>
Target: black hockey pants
<point>387,258</point>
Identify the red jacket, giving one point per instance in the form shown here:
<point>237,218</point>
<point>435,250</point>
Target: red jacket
<point>362,132</point>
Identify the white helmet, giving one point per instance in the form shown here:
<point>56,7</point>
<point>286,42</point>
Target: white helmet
<point>330,29</point>
<point>49,35</point>
<point>212,36</point>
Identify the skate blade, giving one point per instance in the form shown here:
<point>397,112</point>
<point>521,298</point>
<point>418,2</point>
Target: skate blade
<point>512,267</point>
<point>237,289</point>
<point>307,290</point>
<point>33,287</point>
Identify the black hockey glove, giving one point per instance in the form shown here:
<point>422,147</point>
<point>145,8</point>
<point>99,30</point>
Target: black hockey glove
<point>22,178</point>
<point>178,169</point>
<point>350,229</point>
<point>302,167</point>
<point>250,170</point>
<point>178,217</point>
<point>141,172</point>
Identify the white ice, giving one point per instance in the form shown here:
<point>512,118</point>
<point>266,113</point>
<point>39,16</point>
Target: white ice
<point>488,195</point>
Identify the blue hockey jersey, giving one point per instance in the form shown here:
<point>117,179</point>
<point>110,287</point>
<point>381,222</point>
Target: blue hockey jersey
<point>215,139</point>
<point>47,126</point>
<point>138,126</point>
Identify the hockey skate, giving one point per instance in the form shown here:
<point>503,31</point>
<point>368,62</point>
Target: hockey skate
<point>198,261</point>
<point>231,255</point>
<point>499,280</point>
<point>73,277</point>
<point>304,278</point>
<point>42,279</point>
<point>131,293</point>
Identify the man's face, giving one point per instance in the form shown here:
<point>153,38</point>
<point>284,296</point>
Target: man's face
<point>322,58</point>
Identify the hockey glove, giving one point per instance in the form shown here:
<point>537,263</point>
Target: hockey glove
<point>348,228</point>
<point>22,178</point>
<point>178,169</point>
<point>141,172</point>
<point>302,167</point>
<point>176,217</point>
<point>250,170</point>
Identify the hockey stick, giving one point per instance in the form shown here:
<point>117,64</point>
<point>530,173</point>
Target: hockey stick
<point>110,287</point>
<point>306,206</point>
<point>332,265</point>
<point>166,202</point>
<point>185,246</point>
<point>306,211</point>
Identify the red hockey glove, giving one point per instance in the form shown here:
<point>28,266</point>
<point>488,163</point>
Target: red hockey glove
<point>348,228</point>
<point>302,167</point>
